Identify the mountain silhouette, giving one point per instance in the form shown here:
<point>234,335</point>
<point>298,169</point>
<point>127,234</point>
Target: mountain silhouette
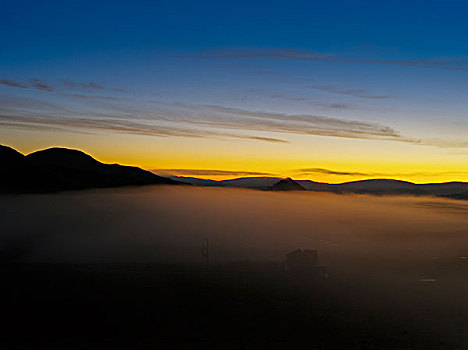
<point>251,182</point>
<point>59,169</point>
<point>287,184</point>
<point>381,186</point>
<point>462,195</point>
<point>260,183</point>
<point>196,181</point>
<point>456,190</point>
<point>8,154</point>
<point>447,188</point>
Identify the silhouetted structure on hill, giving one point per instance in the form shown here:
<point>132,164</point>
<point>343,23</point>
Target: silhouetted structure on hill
<point>304,262</point>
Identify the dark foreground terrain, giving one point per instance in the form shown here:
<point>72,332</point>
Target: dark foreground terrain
<point>138,306</point>
<point>397,270</point>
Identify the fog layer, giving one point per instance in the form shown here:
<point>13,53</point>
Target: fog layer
<point>395,260</point>
<point>168,224</point>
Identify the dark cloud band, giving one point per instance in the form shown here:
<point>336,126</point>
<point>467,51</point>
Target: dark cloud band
<point>256,53</point>
<point>212,172</point>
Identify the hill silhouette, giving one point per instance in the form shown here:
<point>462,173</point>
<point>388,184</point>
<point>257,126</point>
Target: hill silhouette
<point>260,183</point>
<point>456,190</point>
<point>381,186</point>
<point>59,169</point>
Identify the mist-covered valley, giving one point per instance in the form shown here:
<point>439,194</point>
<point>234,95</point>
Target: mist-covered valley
<point>396,267</point>
<point>168,224</point>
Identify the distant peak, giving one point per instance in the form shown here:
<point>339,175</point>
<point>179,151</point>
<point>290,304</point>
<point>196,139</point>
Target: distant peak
<point>287,184</point>
<point>61,150</point>
<point>57,151</point>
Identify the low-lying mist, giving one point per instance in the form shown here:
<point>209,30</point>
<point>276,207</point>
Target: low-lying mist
<point>388,258</point>
<point>168,224</point>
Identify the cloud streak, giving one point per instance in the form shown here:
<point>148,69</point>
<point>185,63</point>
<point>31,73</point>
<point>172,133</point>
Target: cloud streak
<point>350,92</point>
<point>91,85</point>
<point>307,171</point>
<point>12,83</point>
<point>163,119</point>
<point>158,118</point>
<point>212,115</point>
<point>212,172</point>
<point>82,124</point>
<point>32,83</point>
<point>40,85</point>
<point>256,53</point>
<point>310,171</point>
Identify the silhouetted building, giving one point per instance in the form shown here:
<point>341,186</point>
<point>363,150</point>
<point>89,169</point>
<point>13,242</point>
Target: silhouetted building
<point>304,261</point>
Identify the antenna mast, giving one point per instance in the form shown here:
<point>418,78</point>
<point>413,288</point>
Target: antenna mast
<point>206,252</point>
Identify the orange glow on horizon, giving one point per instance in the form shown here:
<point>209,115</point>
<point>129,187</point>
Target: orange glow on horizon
<point>321,159</point>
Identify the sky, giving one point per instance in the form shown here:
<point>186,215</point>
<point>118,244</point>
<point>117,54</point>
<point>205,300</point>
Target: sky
<point>330,91</point>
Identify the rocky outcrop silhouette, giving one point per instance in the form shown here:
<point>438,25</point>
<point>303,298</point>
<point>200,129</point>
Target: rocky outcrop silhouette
<point>287,184</point>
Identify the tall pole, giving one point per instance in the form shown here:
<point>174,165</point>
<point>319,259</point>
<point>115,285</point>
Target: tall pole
<point>206,252</point>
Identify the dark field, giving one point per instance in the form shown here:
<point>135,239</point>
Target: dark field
<point>140,306</point>
<point>120,269</point>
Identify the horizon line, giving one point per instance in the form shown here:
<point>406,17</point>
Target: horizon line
<point>218,172</point>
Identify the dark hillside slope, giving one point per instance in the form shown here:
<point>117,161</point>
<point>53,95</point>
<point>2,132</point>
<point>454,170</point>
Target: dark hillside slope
<point>57,169</point>
<point>19,175</point>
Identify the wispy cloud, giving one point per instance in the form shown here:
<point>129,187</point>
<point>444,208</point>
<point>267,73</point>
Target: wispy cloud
<point>40,85</point>
<point>209,172</point>
<point>308,124</point>
<point>311,171</point>
<point>12,83</point>
<point>256,53</point>
<point>90,86</point>
<point>84,85</point>
<point>267,139</point>
<point>314,100</point>
<point>180,119</point>
<point>445,143</point>
<point>350,92</point>
<point>32,83</point>
<point>307,171</point>
<point>157,118</point>
<point>116,124</point>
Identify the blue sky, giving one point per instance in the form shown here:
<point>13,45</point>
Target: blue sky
<point>55,29</point>
<point>172,66</point>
